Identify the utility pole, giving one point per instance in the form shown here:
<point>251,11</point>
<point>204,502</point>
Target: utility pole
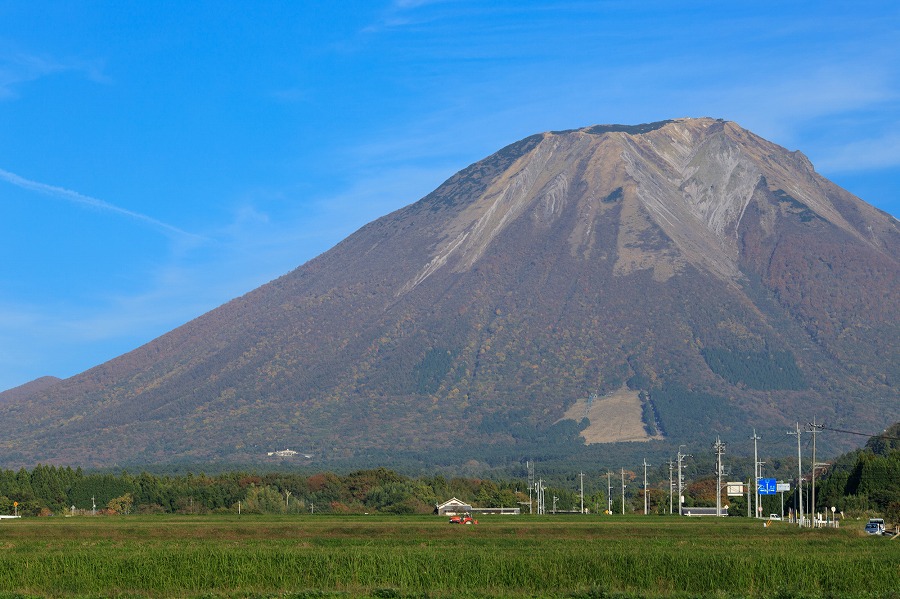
<point>782,504</point>
<point>799,476</point>
<point>539,487</point>
<point>671,464</point>
<point>719,448</point>
<point>623,491</point>
<point>814,429</point>
<point>646,499</point>
<point>681,457</point>
<point>759,466</point>
<point>581,474</point>
<point>543,491</point>
<point>609,492</point>
<point>749,499</point>
<point>755,438</point>
<point>530,467</point>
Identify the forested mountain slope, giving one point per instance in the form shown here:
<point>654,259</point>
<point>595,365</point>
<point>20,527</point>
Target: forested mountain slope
<point>688,276</point>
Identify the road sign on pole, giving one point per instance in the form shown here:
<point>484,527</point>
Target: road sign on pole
<point>767,486</point>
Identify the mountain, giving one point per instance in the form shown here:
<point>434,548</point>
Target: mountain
<point>22,391</point>
<point>659,283</point>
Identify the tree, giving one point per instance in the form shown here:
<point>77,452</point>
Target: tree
<point>892,513</point>
<point>265,500</point>
<point>122,504</point>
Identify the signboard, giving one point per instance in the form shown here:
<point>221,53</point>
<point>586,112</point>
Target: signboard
<point>735,489</point>
<point>783,487</point>
<point>767,486</point>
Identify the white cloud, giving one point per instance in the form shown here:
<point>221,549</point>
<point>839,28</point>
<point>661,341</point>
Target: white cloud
<point>90,202</point>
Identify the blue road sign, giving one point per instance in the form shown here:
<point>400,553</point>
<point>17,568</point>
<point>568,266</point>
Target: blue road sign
<point>767,486</point>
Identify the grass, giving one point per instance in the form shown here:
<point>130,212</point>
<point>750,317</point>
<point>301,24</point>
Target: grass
<point>373,556</point>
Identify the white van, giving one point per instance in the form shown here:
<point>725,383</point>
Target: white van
<point>875,526</point>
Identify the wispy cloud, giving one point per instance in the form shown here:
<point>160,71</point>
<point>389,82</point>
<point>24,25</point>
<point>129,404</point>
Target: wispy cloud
<point>403,4</point>
<point>790,98</point>
<point>862,155</point>
<point>88,201</point>
<point>402,13</point>
<point>18,68</point>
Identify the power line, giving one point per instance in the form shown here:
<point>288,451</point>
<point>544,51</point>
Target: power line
<point>838,430</point>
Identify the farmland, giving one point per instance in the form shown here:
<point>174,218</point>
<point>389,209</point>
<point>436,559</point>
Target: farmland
<point>418,556</point>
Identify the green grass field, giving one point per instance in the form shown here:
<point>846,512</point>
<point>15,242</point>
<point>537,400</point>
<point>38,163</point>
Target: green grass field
<point>375,556</point>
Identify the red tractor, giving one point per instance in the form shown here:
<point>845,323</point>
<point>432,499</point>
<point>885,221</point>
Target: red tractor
<point>464,519</point>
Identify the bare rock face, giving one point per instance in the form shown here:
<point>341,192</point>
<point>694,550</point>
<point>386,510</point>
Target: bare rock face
<point>689,179</point>
<point>687,274</point>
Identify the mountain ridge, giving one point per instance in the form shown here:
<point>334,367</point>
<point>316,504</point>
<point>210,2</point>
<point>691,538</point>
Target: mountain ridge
<point>680,259</point>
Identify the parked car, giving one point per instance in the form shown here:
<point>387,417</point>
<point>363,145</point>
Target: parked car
<point>774,517</point>
<point>875,526</point>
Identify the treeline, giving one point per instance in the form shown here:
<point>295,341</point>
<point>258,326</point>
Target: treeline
<point>867,479</point>
<point>47,490</point>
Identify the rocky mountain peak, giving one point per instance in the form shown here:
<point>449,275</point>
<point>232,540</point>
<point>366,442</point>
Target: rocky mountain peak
<point>689,179</point>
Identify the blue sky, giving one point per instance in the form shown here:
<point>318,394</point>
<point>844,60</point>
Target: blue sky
<point>160,158</point>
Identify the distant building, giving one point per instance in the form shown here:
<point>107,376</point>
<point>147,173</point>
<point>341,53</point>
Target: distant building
<point>455,507</point>
<point>452,507</point>
<point>702,511</point>
<point>284,453</point>
<point>500,511</point>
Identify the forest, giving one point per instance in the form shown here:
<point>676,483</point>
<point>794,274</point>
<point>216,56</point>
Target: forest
<point>864,481</point>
